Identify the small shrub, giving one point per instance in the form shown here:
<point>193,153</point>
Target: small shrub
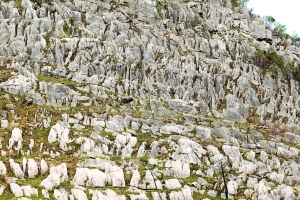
<point>274,63</point>
<point>295,39</point>
<point>66,28</point>
<point>18,3</point>
<point>236,3</point>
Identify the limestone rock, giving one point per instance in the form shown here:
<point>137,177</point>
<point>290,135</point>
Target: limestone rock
<point>172,184</point>
<point>3,169</point>
<point>16,169</point>
<point>78,194</point>
<point>44,167</point>
<point>85,176</point>
<point>232,187</point>
<point>57,175</point>
<point>32,168</point>
<point>29,191</point>
<point>16,190</point>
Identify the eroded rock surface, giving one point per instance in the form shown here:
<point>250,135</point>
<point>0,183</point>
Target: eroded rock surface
<point>148,99</point>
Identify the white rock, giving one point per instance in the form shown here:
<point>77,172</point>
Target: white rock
<point>277,178</point>
<point>79,116</point>
<point>16,135</point>
<point>60,194</point>
<point>15,167</point>
<point>248,193</point>
<point>142,150</point>
<point>33,169</point>
<point>152,161</point>
<point>89,177</point>
<point>96,178</point>
<point>251,182</point>
<point>78,194</point>
<point>168,129</point>
<point>45,193</point>
<point>114,126</point>
<point>172,184</point>
<point>50,182</point>
<point>148,182</point>
<point>260,188</point>
<point>120,141</point>
<point>3,169</point>
<point>231,151</point>
<point>177,169</point>
<point>44,167</point>
<point>250,155</point>
<point>4,123</point>
<point>203,132</point>
<point>114,175</point>
<point>263,156</point>
<point>106,195</point>
<point>61,170</point>
<point>187,193</point>
<point>58,133</point>
<point>247,167</point>
<point>24,163</point>
<point>135,179</point>
<point>19,145</point>
<point>16,190</point>
<point>31,144</point>
<point>176,195</point>
<point>232,187</point>
<point>160,196</point>
<point>29,191</point>
<point>2,187</point>
<point>57,175</point>
<point>132,141</point>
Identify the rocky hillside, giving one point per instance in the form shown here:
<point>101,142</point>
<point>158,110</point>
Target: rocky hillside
<point>144,99</point>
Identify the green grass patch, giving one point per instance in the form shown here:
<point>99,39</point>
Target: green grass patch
<point>18,3</point>
<point>54,79</point>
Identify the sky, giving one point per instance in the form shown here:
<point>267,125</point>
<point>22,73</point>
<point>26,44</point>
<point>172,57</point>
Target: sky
<point>284,11</point>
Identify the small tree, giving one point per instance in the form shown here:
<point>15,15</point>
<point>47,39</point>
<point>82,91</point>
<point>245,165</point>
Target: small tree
<point>296,39</point>
<point>244,2</point>
<point>269,21</point>
<point>281,28</point>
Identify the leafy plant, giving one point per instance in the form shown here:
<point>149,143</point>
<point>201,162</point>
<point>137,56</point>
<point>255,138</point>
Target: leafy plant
<point>295,39</point>
<point>18,3</point>
<point>269,20</point>
<point>274,63</point>
<point>244,2</point>
<point>66,28</point>
<point>236,3</point>
<point>280,28</point>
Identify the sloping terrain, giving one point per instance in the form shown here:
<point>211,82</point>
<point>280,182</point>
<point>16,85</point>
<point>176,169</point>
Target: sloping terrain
<point>143,99</point>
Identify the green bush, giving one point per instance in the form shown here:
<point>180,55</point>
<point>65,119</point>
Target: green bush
<point>18,3</point>
<point>236,3</point>
<point>274,63</point>
<point>296,40</point>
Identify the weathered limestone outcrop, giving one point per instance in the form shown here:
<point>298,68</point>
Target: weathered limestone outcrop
<point>134,99</point>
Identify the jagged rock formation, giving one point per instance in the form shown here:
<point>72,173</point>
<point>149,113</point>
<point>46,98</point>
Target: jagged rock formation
<point>134,99</point>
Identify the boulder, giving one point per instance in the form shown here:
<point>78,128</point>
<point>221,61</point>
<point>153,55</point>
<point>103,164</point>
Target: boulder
<point>232,187</point>
<point>3,169</point>
<point>44,167</point>
<point>16,190</point>
<point>58,174</point>
<point>172,184</point>
<point>29,191</point>
<point>15,167</point>
<point>78,194</point>
<point>32,168</point>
